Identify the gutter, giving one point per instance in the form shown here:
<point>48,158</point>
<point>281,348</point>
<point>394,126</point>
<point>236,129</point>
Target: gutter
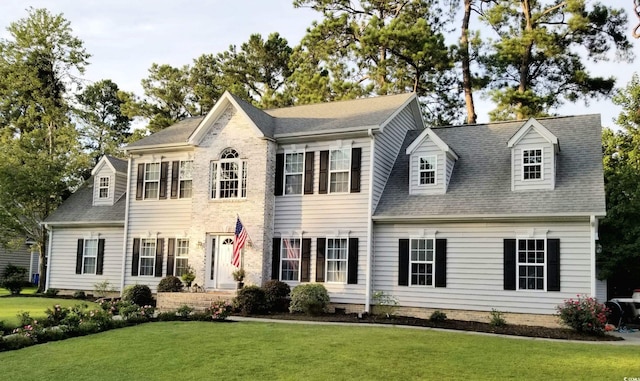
<point>126,225</point>
<point>369,268</point>
<point>487,217</point>
<point>593,223</point>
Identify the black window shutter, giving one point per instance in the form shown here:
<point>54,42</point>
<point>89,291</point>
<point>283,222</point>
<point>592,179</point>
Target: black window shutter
<point>279,187</point>
<point>135,261</point>
<point>352,275</point>
<point>441,263</point>
<point>356,162</point>
<point>79,256</point>
<point>171,247</point>
<point>509,264</point>
<point>324,172</point>
<point>321,244</point>
<point>100,259</point>
<point>305,264</point>
<point>159,257</point>
<point>164,173</point>
<point>275,259</point>
<point>213,257</point>
<point>308,172</point>
<point>140,182</point>
<point>175,178</point>
<point>403,262</point>
<point>553,265</point>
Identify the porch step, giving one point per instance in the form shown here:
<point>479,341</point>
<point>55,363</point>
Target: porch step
<point>166,301</point>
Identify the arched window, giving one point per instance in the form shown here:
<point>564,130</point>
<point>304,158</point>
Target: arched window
<point>229,175</point>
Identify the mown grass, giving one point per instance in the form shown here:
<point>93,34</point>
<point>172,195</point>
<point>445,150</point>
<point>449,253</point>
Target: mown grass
<point>275,351</point>
<point>11,306</point>
<point>25,291</point>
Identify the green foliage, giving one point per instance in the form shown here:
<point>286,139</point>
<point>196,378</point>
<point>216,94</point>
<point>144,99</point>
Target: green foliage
<point>13,279</point>
<point>102,288</point>
<point>238,275</point>
<point>219,310</point>
<point>79,295</point>
<point>584,315</point>
<point>276,296</point>
<point>170,283</point>
<point>25,318</point>
<point>188,276</point>
<point>139,294</point>
<point>184,311</point>
<point>496,318</point>
<point>438,316</point>
<point>385,304</point>
<point>250,300</point>
<point>51,292</point>
<point>57,314</point>
<point>311,298</point>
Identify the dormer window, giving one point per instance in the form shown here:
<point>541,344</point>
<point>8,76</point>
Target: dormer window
<point>532,164</point>
<point>103,187</point>
<point>428,170</point>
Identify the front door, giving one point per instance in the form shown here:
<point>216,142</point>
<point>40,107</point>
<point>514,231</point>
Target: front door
<point>219,267</point>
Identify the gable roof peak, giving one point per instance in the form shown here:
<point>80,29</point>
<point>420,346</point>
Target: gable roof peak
<point>532,123</point>
<point>429,133</point>
<point>116,165</point>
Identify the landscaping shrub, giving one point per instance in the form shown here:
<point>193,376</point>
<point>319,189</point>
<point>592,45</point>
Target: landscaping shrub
<point>51,292</point>
<point>277,295</point>
<point>169,316</point>
<point>56,315</point>
<point>79,295</point>
<point>25,319</point>
<point>385,304</point>
<point>496,318</point>
<point>219,310</point>
<point>170,283</point>
<point>309,298</point>
<point>250,300</point>
<point>584,315</point>
<point>438,316</point>
<point>139,294</point>
<point>184,311</point>
<point>13,279</point>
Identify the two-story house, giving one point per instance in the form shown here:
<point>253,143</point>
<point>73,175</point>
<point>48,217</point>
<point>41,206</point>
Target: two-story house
<point>358,195</point>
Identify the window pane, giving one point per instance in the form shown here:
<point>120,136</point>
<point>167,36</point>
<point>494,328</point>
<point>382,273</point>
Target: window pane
<point>89,266</point>
<point>182,264</point>
<point>340,160</point>
<point>339,182</point>
<point>293,184</point>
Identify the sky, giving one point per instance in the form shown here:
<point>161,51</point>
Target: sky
<point>126,37</point>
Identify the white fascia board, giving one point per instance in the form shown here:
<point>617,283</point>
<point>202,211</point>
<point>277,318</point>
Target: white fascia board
<point>428,132</point>
<point>538,127</point>
<point>101,164</point>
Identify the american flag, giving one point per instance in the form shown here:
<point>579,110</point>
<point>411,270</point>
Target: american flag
<point>238,243</point>
<point>292,253</point>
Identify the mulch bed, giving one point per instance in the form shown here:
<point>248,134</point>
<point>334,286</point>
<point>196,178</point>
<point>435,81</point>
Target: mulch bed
<point>461,325</point>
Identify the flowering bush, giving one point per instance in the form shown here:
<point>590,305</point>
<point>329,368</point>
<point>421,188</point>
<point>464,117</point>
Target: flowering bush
<point>219,310</point>
<point>584,315</point>
<point>31,331</point>
<point>56,315</point>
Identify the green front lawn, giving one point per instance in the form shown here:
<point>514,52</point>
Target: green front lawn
<point>10,306</point>
<point>25,291</point>
<point>269,351</point>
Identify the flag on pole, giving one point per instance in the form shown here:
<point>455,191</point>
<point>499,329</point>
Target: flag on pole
<point>238,243</point>
<point>292,252</point>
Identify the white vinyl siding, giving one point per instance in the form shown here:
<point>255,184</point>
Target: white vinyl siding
<point>62,263</point>
<point>475,262</point>
<point>532,141</point>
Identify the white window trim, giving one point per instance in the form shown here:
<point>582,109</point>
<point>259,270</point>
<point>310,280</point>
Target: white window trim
<point>145,181</point>
<point>426,235</point>
<point>181,179</point>
<point>518,264</point>
<point>214,179</point>
<point>282,247</point>
<point>155,245</point>
<point>177,256</point>
<point>326,260</point>
<point>522,164</point>
<point>435,170</point>
<point>348,170</point>
<point>285,174</point>
<point>101,187</point>
<point>84,255</point>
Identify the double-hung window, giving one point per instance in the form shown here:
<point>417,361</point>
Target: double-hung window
<point>90,256</point>
<point>103,187</point>
<point>427,170</point>
<point>151,180</point>
<point>185,178</point>
<point>293,172</point>
<point>147,256</point>
<point>422,262</point>
<point>182,256</point>
<point>337,259</point>
<point>531,264</point>
<point>229,176</point>
<point>290,259</point>
<point>339,166</point>
<point>532,164</point>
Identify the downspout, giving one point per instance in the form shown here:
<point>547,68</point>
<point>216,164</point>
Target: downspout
<point>593,223</point>
<point>368,277</point>
<point>48,257</point>
<point>126,225</point>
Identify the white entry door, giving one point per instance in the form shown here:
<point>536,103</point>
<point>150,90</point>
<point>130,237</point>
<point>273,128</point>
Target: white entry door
<point>219,267</point>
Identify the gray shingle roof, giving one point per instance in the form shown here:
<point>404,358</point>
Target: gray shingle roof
<point>481,179</point>
<point>177,133</point>
<point>79,208</point>
<point>261,119</point>
<point>119,164</point>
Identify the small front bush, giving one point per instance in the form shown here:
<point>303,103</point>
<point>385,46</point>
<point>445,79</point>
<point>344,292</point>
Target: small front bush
<point>139,294</point>
<point>496,318</point>
<point>51,292</point>
<point>13,279</point>
<point>250,300</point>
<point>438,316</point>
<point>309,298</point>
<point>79,295</point>
<point>584,315</point>
<point>170,283</point>
<point>277,295</point>
<point>219,310</point>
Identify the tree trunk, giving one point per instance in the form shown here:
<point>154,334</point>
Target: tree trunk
<point>526,56</point>
<point>466,65</point>
<point>42,250</point>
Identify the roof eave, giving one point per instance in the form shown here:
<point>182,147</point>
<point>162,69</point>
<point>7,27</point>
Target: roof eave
<point>491,217</point>
<point>48,224</point>
<point>158,147</point>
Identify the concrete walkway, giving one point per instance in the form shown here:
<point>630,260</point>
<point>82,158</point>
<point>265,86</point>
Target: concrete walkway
<point>630,338</point>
